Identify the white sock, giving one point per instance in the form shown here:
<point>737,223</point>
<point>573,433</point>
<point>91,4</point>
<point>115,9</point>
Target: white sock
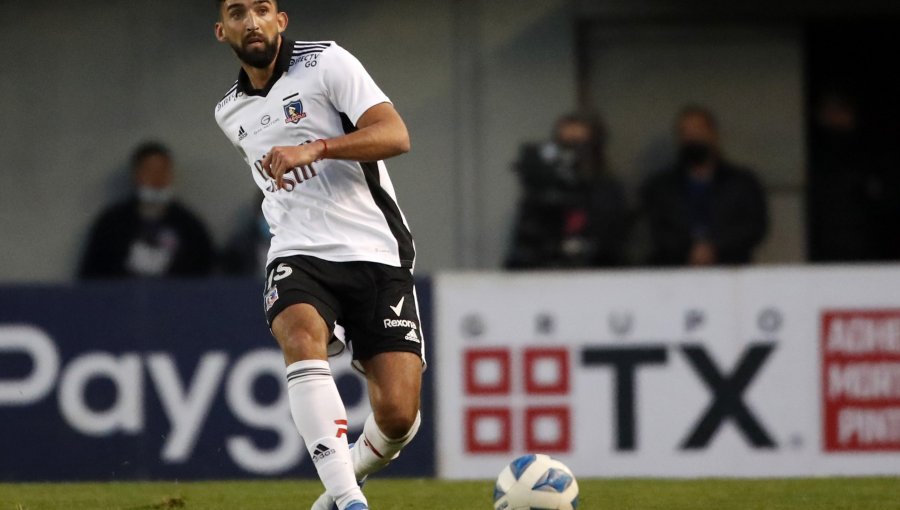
<point>373,450</point>
<point>322,422</point>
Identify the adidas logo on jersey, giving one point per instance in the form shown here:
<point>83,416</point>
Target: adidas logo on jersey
<point>412,336</point>
<point>321,452</point>
<point>242,134</point>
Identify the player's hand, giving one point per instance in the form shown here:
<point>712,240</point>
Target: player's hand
<point>280,160</point>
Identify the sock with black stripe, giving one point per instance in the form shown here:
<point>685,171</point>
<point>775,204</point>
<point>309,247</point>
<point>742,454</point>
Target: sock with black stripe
<point>321,419</point>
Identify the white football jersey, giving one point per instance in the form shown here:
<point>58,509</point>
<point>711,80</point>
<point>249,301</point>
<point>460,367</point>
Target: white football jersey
<point>332,209</point>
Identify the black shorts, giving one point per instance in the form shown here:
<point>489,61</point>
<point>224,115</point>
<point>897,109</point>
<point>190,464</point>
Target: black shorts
<point>373,305</point>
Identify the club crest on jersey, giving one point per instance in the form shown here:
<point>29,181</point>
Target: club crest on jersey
<point>293,112</point>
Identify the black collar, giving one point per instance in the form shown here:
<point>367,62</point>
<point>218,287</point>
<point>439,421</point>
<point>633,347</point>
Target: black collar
<point>282,64</point>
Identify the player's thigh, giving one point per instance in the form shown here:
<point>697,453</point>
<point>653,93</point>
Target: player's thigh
<point>300,309</point>
<point>301,333</point>
<point>395,385</point>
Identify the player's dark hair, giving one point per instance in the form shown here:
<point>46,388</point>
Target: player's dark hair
<point>146,150</point>
<point>692,110</point>
<point>218,3</point>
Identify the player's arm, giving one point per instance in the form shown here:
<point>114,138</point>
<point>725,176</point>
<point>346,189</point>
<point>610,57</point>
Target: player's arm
<point>381,134</point>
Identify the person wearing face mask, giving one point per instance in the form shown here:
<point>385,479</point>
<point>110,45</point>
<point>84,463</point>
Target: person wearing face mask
<point>703,210</point>
<point>149,234</point>
<point>572,213</point>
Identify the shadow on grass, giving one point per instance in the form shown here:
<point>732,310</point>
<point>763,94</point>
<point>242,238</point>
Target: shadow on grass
<point>177,502</point>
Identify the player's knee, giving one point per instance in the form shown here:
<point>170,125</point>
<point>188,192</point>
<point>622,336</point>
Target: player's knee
<point>395,421</point>
<point>302,345</point>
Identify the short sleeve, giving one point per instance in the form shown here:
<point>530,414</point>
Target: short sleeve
<point>348,85</point>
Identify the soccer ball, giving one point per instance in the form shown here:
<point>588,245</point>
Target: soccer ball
<point>536,482</point>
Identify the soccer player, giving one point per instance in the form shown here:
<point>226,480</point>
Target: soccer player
<point>314,128</point>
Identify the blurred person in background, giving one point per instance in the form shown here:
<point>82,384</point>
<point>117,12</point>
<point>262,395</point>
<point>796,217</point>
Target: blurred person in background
<point>703,210</point>
<point>852,195</point>
<point>149,234</point>
<point>572,213</point>
<point>248,248</point>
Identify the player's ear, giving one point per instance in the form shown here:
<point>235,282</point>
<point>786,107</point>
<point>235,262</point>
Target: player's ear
<point>282,21</point>
<point>220,32</point>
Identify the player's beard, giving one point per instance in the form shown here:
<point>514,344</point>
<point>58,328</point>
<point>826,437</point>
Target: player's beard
<point>260,59</point>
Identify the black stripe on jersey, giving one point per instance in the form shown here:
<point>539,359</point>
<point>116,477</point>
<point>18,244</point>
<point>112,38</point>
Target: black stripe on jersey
<point>322,45</point>
<point>304,48</point>
<point>386,204</point>
<point>230,91</point>
<point>391,213</point>
<point>307,52</point>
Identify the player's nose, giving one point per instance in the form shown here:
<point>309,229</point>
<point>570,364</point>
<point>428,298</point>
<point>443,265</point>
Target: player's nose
<point>253,22</point>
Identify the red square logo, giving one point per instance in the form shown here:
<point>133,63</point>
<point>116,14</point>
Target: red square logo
<point>488,372</point>
<point>860,395</point>
<point>547,371</point>
<point>547,429</point>
<point>488,430</point>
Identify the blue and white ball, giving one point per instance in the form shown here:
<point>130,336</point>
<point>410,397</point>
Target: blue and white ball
<point>536,482</point>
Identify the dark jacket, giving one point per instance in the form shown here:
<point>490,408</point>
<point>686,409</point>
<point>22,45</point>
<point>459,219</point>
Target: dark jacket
<point>120,226</point>
<point>587,228</point>
<point>854,200</point>
<point>738,215</point>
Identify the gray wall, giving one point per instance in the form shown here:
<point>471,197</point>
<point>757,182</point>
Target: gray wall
<point>736,11</point>
<point>84,82</point>
<point>751,75</point>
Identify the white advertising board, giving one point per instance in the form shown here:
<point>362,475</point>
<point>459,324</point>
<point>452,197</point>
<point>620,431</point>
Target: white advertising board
<point>737,373</point>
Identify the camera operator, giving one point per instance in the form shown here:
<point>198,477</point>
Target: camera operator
<point>572,214</point>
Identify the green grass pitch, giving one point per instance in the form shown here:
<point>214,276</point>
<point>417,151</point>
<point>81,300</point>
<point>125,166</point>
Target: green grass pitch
<point>800,494</point>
